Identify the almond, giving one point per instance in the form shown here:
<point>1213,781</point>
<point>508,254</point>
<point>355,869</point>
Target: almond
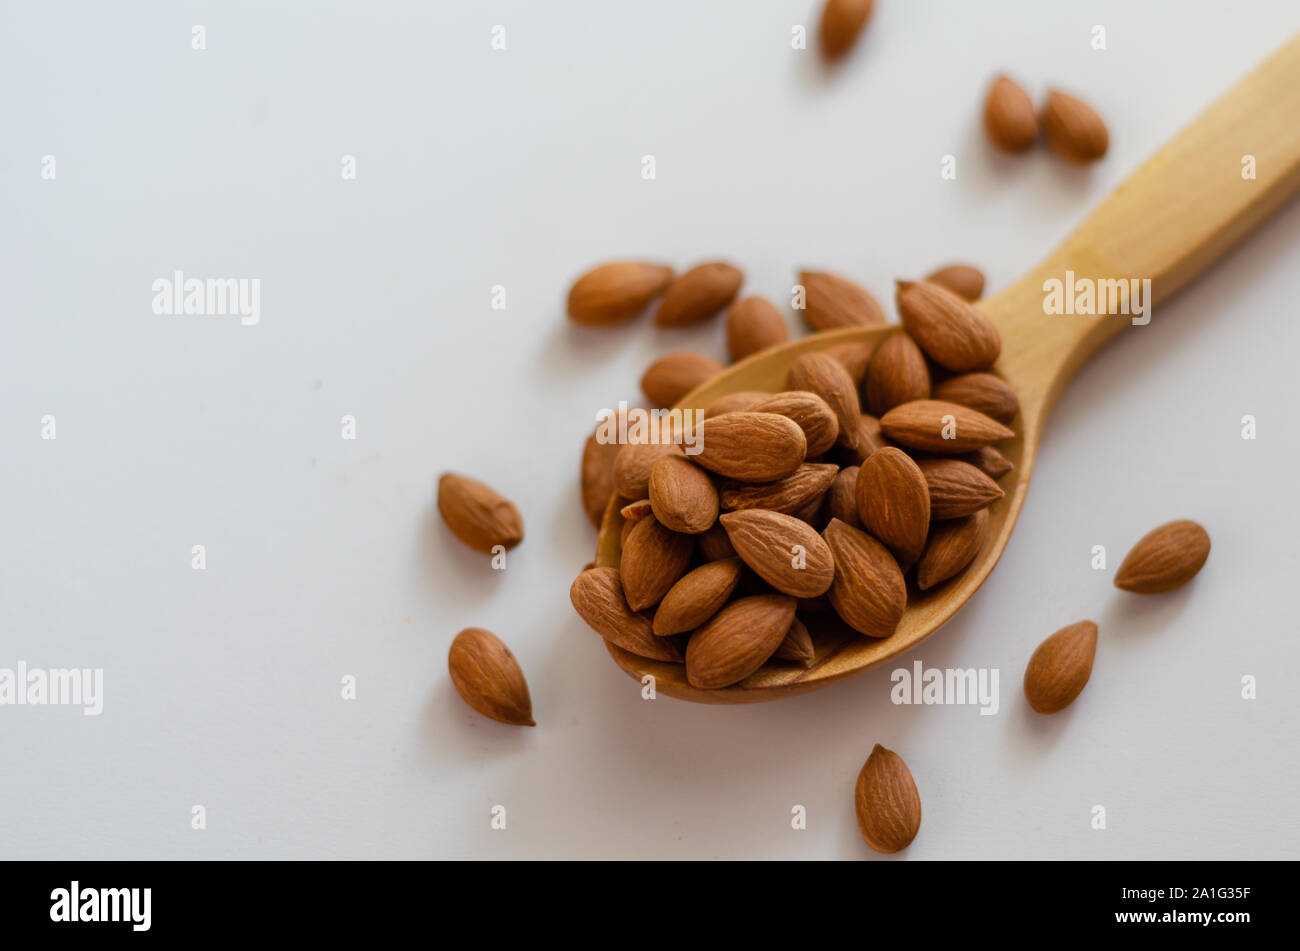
<point>1009,118</point>
<point>797,646</point>
<point>826,376</point>
<point>635,511</point>
<point>813,514</point>
<point>806,484</point>
<point>842,499</point>
<point>957,489</point>
<point>951,331</point>
<point>854,357</point>
<point>698,294</point>
<point>615,292</point>
<point>750,447</point>
<point>988,461</point>
<point>714,544</point>
<point>753,324</point>
<point>938,426</point>
<point>597,476</point>
<point>597,596</point>
<point>1074,131</point>
<point>626,530</point>
<point>870,438</point>
<point>477,515</point>
<point>632,465</point>
<point>785,552</point>
<point>1060,667</point>
<point>737,640</point>
<point>842,21</point>
<point>737,402</point>
<point>963,280</point>
<point>1165,558</point>
<point>696,597</point>
<point>887,803</point>
<point>831,302</point>
<point>671,377</point>
<point>868,591</point>
<point>682,495</point>
<point>815,417</point>
<point>985,392</point>
<point>488,678</point>
<point>951,547</point>
<point>893,502</point>
<point>654,557</point>
<point>897,374</point>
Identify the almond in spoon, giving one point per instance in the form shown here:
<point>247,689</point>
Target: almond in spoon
<point>957,489</point>
<point>893,502</point>
<point>897,374</point>
<point>696,597</point>
<point>985,392</point>
<point>671,377</point>
<point>682,496</point>
<point>868,591</point>
<point>952,546</point>
<point>750,447</point>
<point>785,552</point>
<point>831,302</point>
<point>806,484</point>
<point>815,417</point>
<point>737,640</point>
<point>753,324</point>
<point>654,557</point>
<point>825,376</point>
<point>952,331</point>
<point>597,596</point>
<point>941,427</point>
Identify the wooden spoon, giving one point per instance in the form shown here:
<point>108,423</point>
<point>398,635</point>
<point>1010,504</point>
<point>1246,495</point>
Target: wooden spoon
<point>1176,215</point>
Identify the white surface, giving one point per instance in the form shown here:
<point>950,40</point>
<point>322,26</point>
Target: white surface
<point>522,168</point>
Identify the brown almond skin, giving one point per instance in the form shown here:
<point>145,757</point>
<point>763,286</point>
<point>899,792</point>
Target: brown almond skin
<point>893,502</point>
<point>957,489</point>
<point>887,803</point>
<point>868,591</point>
<point>682,495</point>
<point>854,357</point>
<point>597,596</point>
<point>479,516</point>
<point>699,294</point>
<point>1060,667</point>
<point>488,678</point>
<point>615,292</point>
<point>737,640</point>
<point>952,331</point>
<point>696,597</point>
<point>920,425</point>
<point>831,302</point>
<point>674,375</point>
<point>738,402</point>
<point>820,425</point>
<point>842,498</point>
<point>1009,118</point>
<point>988,461</point>
<point>989,394</point>
<point>750,447</point>
<point>789,495</point>
<point>1165,558</point>
<point>635,511</point>
<point>597,477</point>
<point>654,557</point>
<point>753,324</point>
<point>841,23</point>
<point>1073,129</point>
<point>797,647</point>
<point>963,280</point>
<point>826,376</point>
<point>897,374</point>
<point>765,541</point>
<point>633,463</point>
<point>714,544</point>
<point>952,546</point>
<point>870,438</point>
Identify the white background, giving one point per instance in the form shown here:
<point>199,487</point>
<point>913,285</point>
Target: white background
<point>522,168</point>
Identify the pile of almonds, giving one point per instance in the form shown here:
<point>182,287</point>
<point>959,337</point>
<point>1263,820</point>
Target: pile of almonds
<point>869,468</point>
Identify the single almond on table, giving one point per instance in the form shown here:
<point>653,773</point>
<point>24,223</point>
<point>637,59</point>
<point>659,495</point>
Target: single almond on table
<point>597,476</point>
<point>786,553</point>
<point>797,645</point>
<point>698,294</point>
<point>988,461</point>
<point>714,544</point>
<point>737,640</point>
<point>597,596</point>
<point>814,415</point>
<point>654,557</point>
<point>671,377</point>
<point>886,801</point>
<point>1009,118</point>
<point>750,447</point>
<point>842,21</point>
<point>897,374</point>
<point>952,331</point>
<point>1073,129</point>
<point>1060,667</point>
<point>854,357</point>
<point>696,597</point>
<point>952,546</point>
<point>479,516</point>
<point>753,324</point>
<point>806,484</point>
<point>488,678</point>
<point>632,465</point>
<point>893,502</point>
<point>826,376</point>
<point>989,394</point>
<point>963,280</point>
<point>737,402</point>
<point>868,591</point>
<point>842,497</point>
<point>938,426</point>
<point>957,489</point>
<point>682,495</point>
<point>1165,558</point>
<point>618,291</point>
<point>831,302</point>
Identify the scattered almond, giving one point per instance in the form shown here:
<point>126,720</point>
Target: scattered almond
<point>938,426</point>
<point>1009,118</point>
<point>1165,558</point>
<point>753,324</point>
<point>957,489</point>
<point>951,331</point>
<point>893,502</point>
<point>597,596</point>
<point>696,597</point>
<point>814,415</point>
<point>825,376</point>
<point>952,546</point>
<point>785,552</point>
<point>1074,131</point>
<point>698,294</point>
<point>831,302</point>
<point>737,640</point>
<point>989,394</point>
<point>842,21</point>
<point>868,591</point>
<point>654,557</point>
<point>750,447</point>
<point>488,678</point>
<point>682,495</point>
<point>671,377</point>
<point>886,801</point>
<point>479,516</point>
<point>963,280</point>
<point>897,374</point>
<point>1060,667</point>
<point>612,293</point>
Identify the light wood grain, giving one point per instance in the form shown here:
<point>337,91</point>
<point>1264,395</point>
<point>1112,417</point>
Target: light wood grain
<point>1169,221</point>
